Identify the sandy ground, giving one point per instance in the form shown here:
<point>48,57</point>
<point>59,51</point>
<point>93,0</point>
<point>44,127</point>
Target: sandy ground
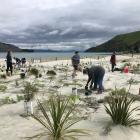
<point>15,127</point>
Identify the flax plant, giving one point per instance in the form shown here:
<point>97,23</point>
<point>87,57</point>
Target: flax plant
<point>119,108</point>
<point>57,118</point>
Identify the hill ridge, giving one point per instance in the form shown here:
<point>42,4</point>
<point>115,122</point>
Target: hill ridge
<point>5,47</point>
<point>123,42</point>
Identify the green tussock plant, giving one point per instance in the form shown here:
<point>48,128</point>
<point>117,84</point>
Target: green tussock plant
<point>73,98</point>
<point>29,91</point>
<point>120,92</point>
<point>59,119</point>
<point>75,83</point>
<point>20,98</point>
<point>22,75</point>
<point>3,76</point>
<point>51,73</point>
<point>40,75</point>
<point>34,71</point>
<point>132,81</point>
<point>7,100</point>
<point>125,60</point>
<point>119,108</point>
<point>3,88</point>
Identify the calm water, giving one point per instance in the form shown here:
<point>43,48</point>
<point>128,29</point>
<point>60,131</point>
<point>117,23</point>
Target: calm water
<point>49,55</point>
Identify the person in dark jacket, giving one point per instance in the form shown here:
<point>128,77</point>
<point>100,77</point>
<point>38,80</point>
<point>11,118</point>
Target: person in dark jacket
<point>18,61</point>
<point>75,62</point>
<point>95,75</point>
<point>113,61</point>
<point>9,62</point>
<point>23,61</point>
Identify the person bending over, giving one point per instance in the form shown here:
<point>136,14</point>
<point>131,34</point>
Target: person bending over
<point>18,61</point>
<point>95,75</point>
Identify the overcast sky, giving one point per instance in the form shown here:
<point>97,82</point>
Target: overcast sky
<point>43,21</point>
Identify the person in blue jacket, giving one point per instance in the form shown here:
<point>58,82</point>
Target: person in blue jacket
<point>75,62</point>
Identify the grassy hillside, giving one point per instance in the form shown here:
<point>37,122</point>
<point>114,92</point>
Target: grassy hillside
<point>120,43</point>
<point>130,38</point>
<point>5,47</point>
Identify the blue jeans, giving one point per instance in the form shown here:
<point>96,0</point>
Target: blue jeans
<point>98,81</point>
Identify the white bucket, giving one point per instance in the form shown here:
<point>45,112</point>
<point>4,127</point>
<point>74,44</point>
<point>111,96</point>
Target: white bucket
<point>28,107</point>
<point>74,91</point>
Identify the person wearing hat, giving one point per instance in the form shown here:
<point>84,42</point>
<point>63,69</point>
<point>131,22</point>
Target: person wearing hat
<point>95,75</point>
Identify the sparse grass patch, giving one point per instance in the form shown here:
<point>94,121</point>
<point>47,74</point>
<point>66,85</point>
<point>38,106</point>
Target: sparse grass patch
<point>72,84</point>
<point>51,73</point>
<point>108,90</point>
<point>133,81</point>
<point>20,98</point>
<point>7,100</point>
<point>34,71</point>
<point>125,60</point>
<point>3,76</point>
<point>3,88</point>
<point>120,92</point>
<point>73,98</point>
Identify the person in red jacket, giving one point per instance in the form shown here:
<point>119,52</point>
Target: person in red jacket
<point>113,61</point>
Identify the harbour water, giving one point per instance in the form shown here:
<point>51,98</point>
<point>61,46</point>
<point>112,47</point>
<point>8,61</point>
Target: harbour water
<point>51,55</point>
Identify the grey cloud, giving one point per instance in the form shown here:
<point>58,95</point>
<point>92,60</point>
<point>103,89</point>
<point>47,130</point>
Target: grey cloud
<point>43,21</point>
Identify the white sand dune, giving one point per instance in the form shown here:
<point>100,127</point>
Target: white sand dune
<point>15,127</point>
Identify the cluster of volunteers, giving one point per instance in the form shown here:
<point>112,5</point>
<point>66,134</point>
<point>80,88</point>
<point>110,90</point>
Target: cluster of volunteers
<point>95,73</point>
